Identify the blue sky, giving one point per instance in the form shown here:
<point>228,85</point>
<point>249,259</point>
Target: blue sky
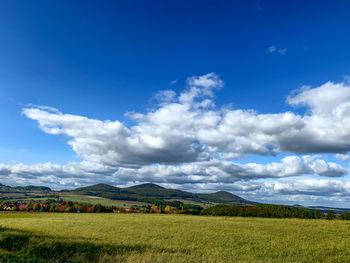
<point>102,60</point>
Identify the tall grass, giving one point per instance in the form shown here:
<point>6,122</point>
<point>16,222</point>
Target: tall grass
<point>53,237</point>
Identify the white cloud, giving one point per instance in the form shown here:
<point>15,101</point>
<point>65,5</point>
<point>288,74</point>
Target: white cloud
<point>271,49</point>
<point>173,82</point>
<point>165,95</point>
<point>188,128</point>
<point>274,49</point>
<point>329,98</point>
<point>187,140</point>
<point>213,171</point>
<point>208,81</point>
<point>342,157</point>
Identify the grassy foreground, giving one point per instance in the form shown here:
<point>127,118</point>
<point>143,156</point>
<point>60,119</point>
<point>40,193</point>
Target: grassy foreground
<point>61,237</point>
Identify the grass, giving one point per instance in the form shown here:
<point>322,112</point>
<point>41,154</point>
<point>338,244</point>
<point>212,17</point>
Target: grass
<point>56,237</point>
<point>89,200</point>
<point>99,200</point>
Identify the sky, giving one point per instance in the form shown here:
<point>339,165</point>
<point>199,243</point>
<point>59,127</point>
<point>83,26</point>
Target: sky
<point>250,97</point>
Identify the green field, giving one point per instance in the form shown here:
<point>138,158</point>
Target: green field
<point>86,199</point>
<point>64,237</point>
<point>99,200</point>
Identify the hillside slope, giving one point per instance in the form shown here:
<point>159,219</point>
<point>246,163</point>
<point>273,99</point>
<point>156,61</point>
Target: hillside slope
<point>223,197</point>
<point>23,189</point>
<point>149,192</point>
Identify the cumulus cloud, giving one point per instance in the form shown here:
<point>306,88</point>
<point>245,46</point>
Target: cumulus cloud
<point>219,171</point>
<point>53,175</point>
<point>189,128</point>
<point>204,172</point>
<point>187,140</point>
<point>329,98</point>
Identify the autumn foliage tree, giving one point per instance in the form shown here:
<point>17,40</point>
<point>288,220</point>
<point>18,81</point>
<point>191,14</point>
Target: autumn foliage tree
<point>155,209</point>
<point>167,209</point>
<point>36,207</point>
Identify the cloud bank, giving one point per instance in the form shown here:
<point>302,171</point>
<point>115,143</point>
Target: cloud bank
<point>186,141</point>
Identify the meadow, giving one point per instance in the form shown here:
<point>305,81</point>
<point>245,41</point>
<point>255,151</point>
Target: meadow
<point>99,200</point>
<point>67,237</point>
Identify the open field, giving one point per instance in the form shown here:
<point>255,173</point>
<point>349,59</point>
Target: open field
<point>55,237</point>
<point>99,200</point>
<point>84,199</point>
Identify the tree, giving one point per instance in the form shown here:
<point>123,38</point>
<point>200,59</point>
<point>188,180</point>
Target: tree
<point>69,209</point>
<point>98,208</point>
<point>155,209</point>
<point>82,208</point>
<point>52,208</point>
<point>330,215</point>
<point>36,207</point>
<point>318,214</point>
<point>167,209</point>
<point>2,205</point>
<point>345,215</point>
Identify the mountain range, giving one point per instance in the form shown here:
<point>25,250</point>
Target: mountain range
<point>147,193</point>
<point>151,192</point>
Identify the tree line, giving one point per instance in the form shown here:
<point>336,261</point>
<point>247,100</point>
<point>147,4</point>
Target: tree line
<point>259,210</point>
<point>272,211</point>
<point>60,205</point>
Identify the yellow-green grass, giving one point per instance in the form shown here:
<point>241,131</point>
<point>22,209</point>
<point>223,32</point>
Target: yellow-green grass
<point>64,237</point>
<point>99,200</point>
<point>87,199</point>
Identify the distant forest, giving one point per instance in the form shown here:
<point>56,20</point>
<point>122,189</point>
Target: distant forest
<point>272,211</point>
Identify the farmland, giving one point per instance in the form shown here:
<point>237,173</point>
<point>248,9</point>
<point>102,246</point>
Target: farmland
<point>99,200</point>
<point>54,237</point>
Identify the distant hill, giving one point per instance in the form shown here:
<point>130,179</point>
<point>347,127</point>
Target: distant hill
<point>34,188</point>
<point>147,192</point>
<point>23,189</point>
<point>325,209</point>
<point>154,190</point>
<point>223,197</point>
<point>146,186</point>
<point>153,193</point>
<point>98,188</point>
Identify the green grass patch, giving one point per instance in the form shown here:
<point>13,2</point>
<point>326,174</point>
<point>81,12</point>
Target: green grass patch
<point>103,201</point>
<point>55,237</point>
